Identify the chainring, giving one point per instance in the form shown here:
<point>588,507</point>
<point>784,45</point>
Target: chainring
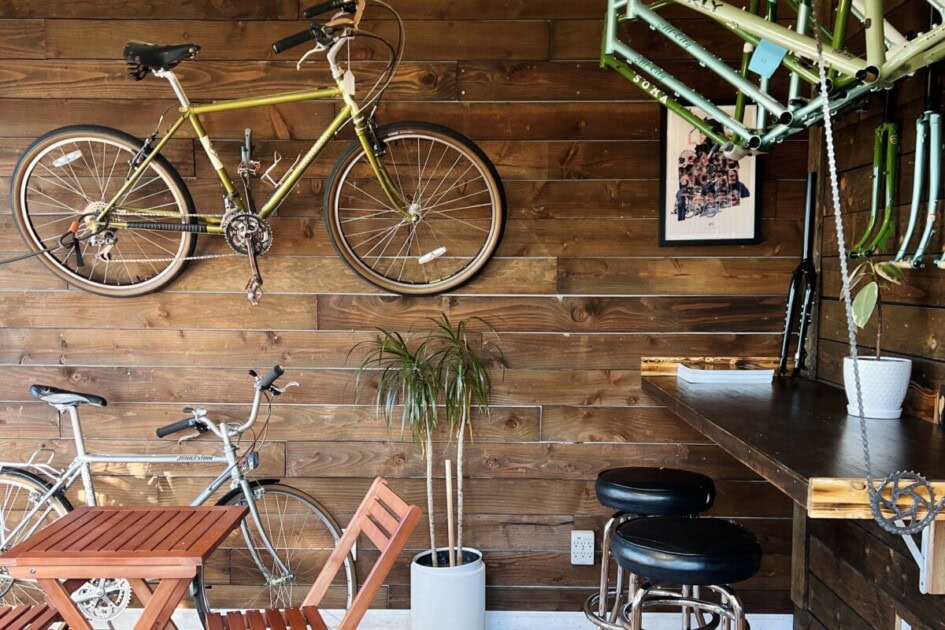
<point>103,599</point>
<point>243,228</point>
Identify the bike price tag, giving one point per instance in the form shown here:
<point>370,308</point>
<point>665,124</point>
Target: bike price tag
<point>766,58</point>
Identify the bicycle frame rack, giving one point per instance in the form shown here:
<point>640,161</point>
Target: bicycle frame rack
<point>889,57</point>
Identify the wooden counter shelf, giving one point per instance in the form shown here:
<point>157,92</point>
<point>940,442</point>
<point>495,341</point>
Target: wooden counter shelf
<point>798,436</point>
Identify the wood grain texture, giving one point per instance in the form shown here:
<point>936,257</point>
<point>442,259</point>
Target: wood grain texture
<point>25,39</point>
<point>579,290</point>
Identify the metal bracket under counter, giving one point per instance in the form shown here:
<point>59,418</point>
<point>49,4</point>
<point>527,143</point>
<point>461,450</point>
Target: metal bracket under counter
<point>847,498</point>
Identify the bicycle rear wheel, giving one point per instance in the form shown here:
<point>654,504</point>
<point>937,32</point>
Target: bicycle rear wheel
<point>70,174</point>
<point>20,492</point>
<point>456,210</point>
<point>242,574</point>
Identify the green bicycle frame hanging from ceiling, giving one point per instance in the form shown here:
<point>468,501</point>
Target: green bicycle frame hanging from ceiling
<point>769,46</point>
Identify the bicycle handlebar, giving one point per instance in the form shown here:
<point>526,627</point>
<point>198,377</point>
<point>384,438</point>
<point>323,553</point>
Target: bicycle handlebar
<point>202,423</point>
<point>293,40</point>
<point>348,6</point>
<point>319,32</point>
<point>174,427</point>
<point>267,381</point>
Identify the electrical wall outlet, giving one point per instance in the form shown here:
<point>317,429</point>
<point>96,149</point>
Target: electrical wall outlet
<point>582,546</point>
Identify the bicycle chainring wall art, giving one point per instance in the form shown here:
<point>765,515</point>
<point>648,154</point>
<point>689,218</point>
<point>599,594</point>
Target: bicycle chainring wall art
<point>706,198</point>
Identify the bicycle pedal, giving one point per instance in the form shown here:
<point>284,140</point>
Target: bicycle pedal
<point>249,168</point>
<point>254,291</point>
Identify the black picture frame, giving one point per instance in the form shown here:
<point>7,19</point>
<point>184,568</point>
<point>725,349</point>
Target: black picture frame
<point>709,223</point>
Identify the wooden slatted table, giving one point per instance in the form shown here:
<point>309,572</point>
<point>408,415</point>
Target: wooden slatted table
<point>169,544</point>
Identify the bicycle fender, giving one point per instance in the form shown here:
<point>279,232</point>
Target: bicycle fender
<point>22,472</point>
<point>255,483</point>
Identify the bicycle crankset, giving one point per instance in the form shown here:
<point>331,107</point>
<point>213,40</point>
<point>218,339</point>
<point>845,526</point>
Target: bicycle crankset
<point>242,228</point>
<point>250,236</point>
<point>103,599</point>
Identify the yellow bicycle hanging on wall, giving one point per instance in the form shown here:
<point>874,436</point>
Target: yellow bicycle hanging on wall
<point>413,208</point>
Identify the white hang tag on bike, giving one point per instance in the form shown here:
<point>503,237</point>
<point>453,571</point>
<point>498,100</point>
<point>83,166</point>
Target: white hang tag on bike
<point>349,83</point>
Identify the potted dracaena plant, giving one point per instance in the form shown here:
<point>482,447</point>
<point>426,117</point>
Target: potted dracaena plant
<point>883,380</point>
<point>439,369</point>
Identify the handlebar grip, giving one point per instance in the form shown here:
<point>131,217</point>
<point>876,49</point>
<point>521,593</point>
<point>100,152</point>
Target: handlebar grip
<point>325,7</point>
<point>293,40</point>
<point>270,378</point>
<point>180,425</point>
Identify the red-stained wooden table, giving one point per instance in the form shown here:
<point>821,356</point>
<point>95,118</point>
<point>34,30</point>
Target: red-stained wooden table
<point>168,544</point>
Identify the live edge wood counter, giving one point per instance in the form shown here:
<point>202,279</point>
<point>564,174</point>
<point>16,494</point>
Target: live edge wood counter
<point>798,436</point>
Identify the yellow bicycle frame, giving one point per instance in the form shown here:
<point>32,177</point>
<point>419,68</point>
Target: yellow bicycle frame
<point>192,113</point>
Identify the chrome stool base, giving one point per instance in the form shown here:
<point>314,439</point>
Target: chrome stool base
<point>614,614</point>
<point>728,614</point>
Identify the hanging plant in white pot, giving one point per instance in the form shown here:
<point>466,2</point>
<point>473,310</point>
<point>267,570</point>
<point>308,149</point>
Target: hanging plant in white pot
<point>440,368</point>
<point>884,380</point>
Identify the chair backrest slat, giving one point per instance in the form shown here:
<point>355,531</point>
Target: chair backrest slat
<point>381,514</point>
<point>376,534</point>
<point>371,518</point>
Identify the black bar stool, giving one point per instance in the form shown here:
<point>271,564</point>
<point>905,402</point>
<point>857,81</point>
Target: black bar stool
<point>709,552</point>
<point>637,492</point>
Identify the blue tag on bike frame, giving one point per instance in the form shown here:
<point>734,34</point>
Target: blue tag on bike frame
<point>766,58</point>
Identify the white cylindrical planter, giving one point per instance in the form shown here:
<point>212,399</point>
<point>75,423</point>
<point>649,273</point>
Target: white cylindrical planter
<point>445,596</point>
<point>884,383</point>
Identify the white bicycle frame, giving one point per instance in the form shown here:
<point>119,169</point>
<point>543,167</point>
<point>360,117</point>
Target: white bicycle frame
<point>61,480</point>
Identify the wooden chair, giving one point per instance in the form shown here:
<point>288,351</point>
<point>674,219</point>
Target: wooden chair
<point>40,617</point>
<point>387,521</point>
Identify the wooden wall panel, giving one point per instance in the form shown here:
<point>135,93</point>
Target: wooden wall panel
<point>579,291</point>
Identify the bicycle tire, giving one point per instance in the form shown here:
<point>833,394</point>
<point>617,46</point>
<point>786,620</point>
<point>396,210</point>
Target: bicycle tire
<point>73,171</point>
<point>445,245</point>
<point>14,482</point>
<point>245,586</point>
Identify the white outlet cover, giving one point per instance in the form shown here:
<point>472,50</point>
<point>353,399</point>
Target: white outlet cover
<point>582,546</point>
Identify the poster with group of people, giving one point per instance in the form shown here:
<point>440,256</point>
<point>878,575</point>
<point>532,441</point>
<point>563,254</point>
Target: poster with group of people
<point>708,196</point>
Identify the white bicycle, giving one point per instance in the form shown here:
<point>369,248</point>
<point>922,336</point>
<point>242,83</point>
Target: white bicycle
<point>270,562</point>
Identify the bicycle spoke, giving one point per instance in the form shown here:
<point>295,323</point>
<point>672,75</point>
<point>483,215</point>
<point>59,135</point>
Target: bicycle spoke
<point>451,183</point>
<point>89,162</point>
<point>74,176</point>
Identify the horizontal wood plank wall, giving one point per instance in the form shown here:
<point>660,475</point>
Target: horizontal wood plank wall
<point>579,290</point>
<point>859,576</point>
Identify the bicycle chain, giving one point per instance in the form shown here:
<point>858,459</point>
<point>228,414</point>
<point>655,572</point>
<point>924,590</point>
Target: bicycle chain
<point>906,489</point>
<point>173,258</point>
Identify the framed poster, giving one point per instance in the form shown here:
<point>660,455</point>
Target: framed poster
<point>705,197</point>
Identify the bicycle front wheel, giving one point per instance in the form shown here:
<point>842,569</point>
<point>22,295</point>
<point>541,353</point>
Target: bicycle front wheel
<point>450,228</point>
<point>21,515</point>
<point>71,174</point>
<point>243,574</point>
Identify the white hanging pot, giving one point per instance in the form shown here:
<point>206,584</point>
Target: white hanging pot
<point>445,596</point>
<point>884,383</point>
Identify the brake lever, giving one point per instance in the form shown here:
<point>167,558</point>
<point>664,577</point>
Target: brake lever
<point>188,438</point>
<point>318,48</point>
<point>281,390</point>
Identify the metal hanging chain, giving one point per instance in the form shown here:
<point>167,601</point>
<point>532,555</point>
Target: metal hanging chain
<point>910,495</point>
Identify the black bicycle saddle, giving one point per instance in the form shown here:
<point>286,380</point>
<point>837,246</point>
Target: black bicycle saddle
<point>155,57</point>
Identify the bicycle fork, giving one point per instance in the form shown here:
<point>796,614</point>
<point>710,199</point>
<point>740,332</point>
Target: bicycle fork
<point>239,480</point>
